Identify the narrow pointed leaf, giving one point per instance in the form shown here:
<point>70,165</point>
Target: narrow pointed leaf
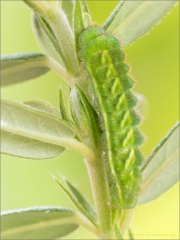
<point>50,34</point>
<point>44,106</point>
<point>38,223</point>
<point>131,236</point>
<point>63,107</point>
<point>82,201</point>
<point>67,7</point>
<point>21,67</point>
<point>44,41</point>
<point>136,18</point>
<point>110,19</point>
<point>78,22</point>
<point>61,37</point>
<point>118,233</point>
<point>161,170</point>
<point>87,19</point>
<point>76,201</point>
<point>85,7</point>
<point>30,133</point>
<point>85,118</point>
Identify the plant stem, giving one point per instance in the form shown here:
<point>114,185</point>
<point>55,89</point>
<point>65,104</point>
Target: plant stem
<point>62,72</point>
<point>98,184</point>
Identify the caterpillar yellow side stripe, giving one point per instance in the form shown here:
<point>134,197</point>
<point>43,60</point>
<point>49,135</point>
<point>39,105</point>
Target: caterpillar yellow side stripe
<point>103,63</point>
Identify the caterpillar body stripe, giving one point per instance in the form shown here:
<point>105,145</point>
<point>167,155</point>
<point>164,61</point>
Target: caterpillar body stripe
<point>103,62</point>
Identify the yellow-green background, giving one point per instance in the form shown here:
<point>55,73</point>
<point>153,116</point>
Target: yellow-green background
<point>154,61</point>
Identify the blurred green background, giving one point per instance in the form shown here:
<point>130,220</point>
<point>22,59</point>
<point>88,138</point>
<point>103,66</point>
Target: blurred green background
<point>154,61</point>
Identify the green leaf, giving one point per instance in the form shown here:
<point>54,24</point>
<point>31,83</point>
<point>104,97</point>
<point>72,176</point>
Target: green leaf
<point>111,17</point>
<point>85,118</point>
<point>79,201</point>
<point>82,201</point>
<point>55,23</point>
<point>67,7</point>
<point>131,236</point>
<point>38,223</point>
<point>44,41</point>
<point>78,22</point>
<point>44,106</point>
<point>52,38</point>
<point>136,18</point>
<point>161,170</point>
<point>85,7</point>
<point>118,233</point>
<point>21,67</point>
<point>65,112</point>
<point>30,133</point>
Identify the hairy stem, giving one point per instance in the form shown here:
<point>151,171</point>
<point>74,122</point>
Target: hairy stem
<point>100,194</point>
<point>62,72</point>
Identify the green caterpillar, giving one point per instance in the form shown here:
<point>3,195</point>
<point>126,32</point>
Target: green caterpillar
<point>102,61</point>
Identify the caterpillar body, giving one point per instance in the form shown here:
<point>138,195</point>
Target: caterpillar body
<point>103,62</point>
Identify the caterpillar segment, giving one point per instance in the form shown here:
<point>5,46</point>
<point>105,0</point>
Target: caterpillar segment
<point>103,62</point>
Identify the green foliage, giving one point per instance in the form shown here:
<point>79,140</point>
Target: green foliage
<point>38,223</point>
<point>85,119</point>
<point>161,170</point>
<point>78,22</point>
<point>131,237</point>
<point>96,119</point>
<point>43,106</point>
<point>36,134</point>
<point>49,18</point>
<point>136,18</point>
<point>79,201</point>
<point>118,233</point>
<point>44,41</point>
<point>65,112</point>
<point>21,67</point>
<point>85,205</point>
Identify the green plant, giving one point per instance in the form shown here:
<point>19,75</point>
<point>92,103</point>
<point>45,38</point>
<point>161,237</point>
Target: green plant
<point>76,125</point>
